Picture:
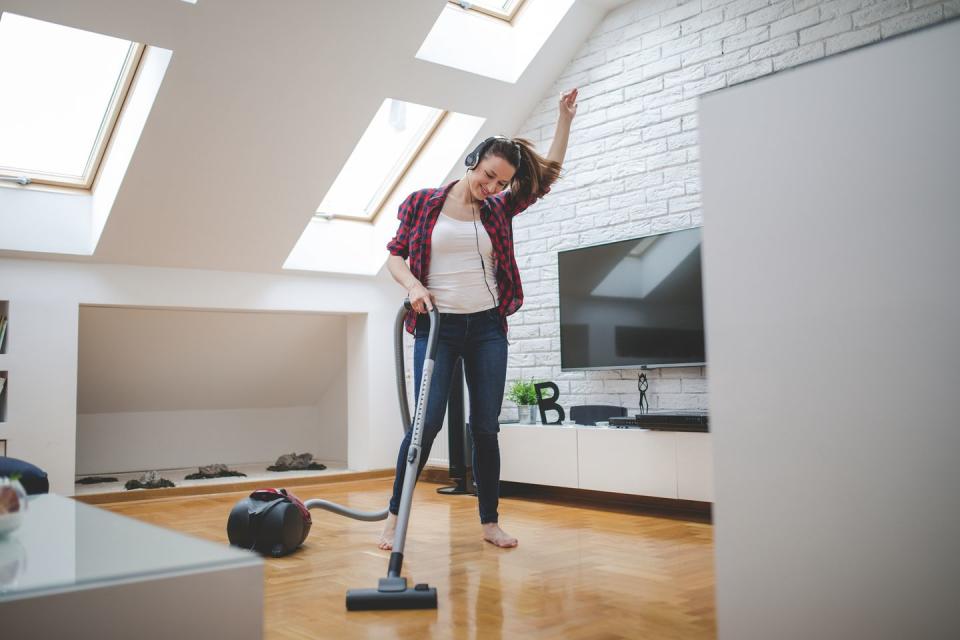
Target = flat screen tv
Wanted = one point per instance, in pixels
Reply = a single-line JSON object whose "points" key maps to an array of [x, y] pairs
{"points": [[633, 304]]}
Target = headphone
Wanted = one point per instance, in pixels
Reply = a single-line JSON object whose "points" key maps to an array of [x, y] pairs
{"points": [[473, 158]]}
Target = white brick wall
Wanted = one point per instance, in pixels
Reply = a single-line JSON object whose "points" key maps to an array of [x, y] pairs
{"points": [[632, 165]]}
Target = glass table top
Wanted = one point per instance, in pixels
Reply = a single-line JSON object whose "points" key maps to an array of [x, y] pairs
{"points": [[62, 544]]}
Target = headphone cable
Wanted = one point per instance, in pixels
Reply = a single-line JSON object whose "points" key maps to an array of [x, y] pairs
{"points": [[483, 266]]}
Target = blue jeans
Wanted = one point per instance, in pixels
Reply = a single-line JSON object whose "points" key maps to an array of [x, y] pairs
{"points": [[479, 340]]}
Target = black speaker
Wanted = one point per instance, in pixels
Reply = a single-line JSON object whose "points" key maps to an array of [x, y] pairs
{"points": [[593, 413], [460, 446]]}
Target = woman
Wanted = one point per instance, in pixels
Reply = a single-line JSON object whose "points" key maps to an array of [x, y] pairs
{"points": [[459, 241]]}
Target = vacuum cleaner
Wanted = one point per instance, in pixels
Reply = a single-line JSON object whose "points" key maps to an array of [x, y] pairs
{"points": [[275, 522]]}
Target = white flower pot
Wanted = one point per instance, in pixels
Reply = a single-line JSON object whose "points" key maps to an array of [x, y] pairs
{"points": [[528, 413]]}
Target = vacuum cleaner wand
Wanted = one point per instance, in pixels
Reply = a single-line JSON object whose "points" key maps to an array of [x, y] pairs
{"points": [[392, 591]]}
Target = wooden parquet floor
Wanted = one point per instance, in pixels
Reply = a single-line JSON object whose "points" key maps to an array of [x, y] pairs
{"points": [[579, 572]]}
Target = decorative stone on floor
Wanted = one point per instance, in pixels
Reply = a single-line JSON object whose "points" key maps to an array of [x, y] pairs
{"points": [[294, 462], [149, 480], [97, 480], [214, 471]]}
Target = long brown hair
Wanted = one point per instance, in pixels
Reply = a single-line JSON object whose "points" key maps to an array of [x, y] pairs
{"points": [[535, 172]]}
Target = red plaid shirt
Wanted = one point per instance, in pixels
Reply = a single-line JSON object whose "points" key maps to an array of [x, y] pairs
{"points": [[418, 214]]}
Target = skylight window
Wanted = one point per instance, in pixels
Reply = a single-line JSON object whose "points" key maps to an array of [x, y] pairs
{"points": [[510, 43], [388, 147], [342, 245], [503, 9], [63, 89]]}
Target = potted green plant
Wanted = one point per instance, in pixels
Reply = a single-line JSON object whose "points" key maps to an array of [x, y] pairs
{"points": [[524, 394]]}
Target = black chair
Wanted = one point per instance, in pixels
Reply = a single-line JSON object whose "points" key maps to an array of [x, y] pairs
{"points": [[33, 478], [593, 413]]}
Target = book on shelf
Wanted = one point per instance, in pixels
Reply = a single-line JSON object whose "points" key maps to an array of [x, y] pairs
{"points": [[3, 330]]}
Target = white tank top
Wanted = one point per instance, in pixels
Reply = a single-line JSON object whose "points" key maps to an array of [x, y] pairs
{"points": [[457, 279]]}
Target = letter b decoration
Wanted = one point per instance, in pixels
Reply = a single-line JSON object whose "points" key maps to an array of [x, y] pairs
{"points": [[549, 403]]}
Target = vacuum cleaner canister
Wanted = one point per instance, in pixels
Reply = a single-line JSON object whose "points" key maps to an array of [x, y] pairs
{"points": [[270, 521]]}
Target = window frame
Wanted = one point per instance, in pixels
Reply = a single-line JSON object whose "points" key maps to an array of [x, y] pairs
{"points": [[128, 72], [393, 183], [499, 15]]}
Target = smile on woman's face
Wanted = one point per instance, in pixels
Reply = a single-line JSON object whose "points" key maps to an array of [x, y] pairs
{"points": [[491, 176]]}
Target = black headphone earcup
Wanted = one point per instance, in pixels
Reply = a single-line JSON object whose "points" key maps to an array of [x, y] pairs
{"points": [[473, 158]]}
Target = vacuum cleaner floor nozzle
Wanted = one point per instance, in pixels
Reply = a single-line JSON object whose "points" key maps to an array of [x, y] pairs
{"points": [[393, 593]]}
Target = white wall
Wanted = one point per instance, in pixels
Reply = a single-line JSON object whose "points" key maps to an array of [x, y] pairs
{"points": [[633, 165], [168, 388], [831, 268], [45, 298], [333, 418], [139, 441]]}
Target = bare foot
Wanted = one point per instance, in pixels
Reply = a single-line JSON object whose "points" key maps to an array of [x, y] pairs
{"points": [[386, 538], [493, 534]]}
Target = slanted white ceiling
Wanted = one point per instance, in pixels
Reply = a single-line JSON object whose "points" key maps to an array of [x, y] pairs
{"points": [[262, 104], [135, 359]]}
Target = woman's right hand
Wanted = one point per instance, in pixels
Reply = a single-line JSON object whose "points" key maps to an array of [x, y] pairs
{"points": [[420, 299]]}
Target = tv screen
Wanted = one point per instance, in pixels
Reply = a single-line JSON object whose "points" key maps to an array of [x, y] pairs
{"points": [[634, 303]]}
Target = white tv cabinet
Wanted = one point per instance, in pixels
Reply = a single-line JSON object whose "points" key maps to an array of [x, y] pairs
{"points": [[662, 464]]}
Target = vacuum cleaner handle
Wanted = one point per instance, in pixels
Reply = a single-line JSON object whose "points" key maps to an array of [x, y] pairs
{"points": [[398, 358], [408, 306], [433, 313]]}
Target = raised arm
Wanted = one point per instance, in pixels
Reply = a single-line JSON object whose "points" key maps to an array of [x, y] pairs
{"points": [[542, 171], [567, 109]]}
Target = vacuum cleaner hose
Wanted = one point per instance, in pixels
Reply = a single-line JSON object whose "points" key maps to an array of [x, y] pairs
{"points": [[398, 358], [368, 516], [371, 516]]}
